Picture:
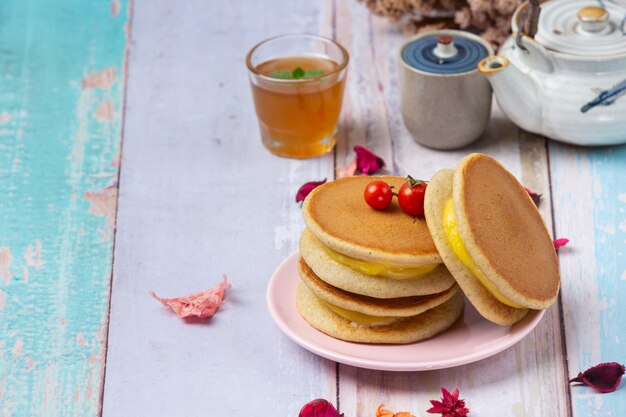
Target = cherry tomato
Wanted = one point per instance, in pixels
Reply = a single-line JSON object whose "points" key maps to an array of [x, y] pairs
{"points": [[411, 197], [378, 195]]}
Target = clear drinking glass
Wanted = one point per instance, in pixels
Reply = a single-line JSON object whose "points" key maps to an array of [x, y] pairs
{"points": [[297, 84]]}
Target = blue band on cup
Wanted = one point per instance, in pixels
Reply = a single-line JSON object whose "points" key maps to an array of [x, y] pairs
{"points": [[420, 55]]}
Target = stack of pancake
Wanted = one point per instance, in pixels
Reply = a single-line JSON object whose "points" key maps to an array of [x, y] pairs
{"points": [[379, 276], [371, 276]]}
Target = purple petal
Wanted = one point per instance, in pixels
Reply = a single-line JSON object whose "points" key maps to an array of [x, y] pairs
{"points": [[307, 188], [604, 377], [367, 161], [318, 408]]}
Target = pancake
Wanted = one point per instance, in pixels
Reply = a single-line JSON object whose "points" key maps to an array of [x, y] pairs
{"points": [[390, 307], [406, 330], [504, 232], [348, 279], [339, 217], [439, 191]]}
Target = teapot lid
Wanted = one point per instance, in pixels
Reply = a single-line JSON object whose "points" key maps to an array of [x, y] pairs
{"points": [[445, 52], [583, 27]]}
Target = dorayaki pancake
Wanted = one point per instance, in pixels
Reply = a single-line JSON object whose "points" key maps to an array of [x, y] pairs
{"points": [[348, 279], [404, 330], [338, 215], [383, 307], [504, 232], [438, 192]]}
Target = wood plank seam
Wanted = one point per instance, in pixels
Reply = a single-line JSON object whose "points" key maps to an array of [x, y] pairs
{"points": [[568, 400], [125, 74]]}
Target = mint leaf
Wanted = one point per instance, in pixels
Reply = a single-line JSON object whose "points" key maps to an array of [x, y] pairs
{"points": [[297, 73], [312, 73], [283, 75]]}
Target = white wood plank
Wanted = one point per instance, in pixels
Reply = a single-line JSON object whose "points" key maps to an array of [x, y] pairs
{"points": [[199, 197], [526, 380]]}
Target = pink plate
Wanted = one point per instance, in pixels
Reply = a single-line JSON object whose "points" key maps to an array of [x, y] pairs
{"points": [[470, 339]]}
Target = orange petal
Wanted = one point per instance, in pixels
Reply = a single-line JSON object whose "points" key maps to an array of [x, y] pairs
{"points": [[383, 413]]}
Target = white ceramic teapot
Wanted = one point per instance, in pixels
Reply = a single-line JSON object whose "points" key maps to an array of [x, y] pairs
{"points": [[569, 82]]}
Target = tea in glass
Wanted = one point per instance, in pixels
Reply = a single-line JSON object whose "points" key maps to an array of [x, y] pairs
{"points": [[297, 85]]}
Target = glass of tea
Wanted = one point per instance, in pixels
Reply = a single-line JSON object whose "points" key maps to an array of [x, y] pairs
{"points": [[297, 84]]}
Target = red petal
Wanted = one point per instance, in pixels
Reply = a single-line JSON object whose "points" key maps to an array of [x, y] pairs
{"points": [[319, 408], [367, 161], [437, 408], [450, 406], [307, 188], [534, 196], [559, 243], [604, 377]]}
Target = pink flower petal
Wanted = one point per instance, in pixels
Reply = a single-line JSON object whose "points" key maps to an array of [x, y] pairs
{"points": [[202, 304], [534, 196], [347, 171], [559, 243], [367, 161], [319, 408], [307, 188]]}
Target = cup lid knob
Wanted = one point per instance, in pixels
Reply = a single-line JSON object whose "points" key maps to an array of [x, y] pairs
{"points": [[445, 47], [593, 19]]}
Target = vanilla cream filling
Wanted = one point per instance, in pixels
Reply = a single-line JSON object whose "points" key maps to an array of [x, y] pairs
{"points": [[359, 318], [459, 249], [380, 269]]}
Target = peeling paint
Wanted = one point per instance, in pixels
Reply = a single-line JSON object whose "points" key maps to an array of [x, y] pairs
{"points": [[3, 300], [115, 7], [104, 203], [32, 255], [115, 161], [100, 79], [80, 340], [4, 117], [30, 362], [6, 259], [105, 112], [18, 347]]}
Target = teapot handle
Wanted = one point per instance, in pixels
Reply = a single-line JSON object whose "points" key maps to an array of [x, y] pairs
{"points": [[535, 55], [533, 20]]}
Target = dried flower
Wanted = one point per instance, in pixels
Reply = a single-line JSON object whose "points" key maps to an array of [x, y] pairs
{"points": [[307, 188], [319, 408], [449, 406], [604, 377], [559, 243], [380, 412], [348, 170], [367, 161], [534, 196], [202, 304]]}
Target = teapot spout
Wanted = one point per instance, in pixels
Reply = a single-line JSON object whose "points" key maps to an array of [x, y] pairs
{"points": [[516, 92]]}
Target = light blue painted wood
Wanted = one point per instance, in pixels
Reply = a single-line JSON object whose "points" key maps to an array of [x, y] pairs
{"points": [[589, 192], [56, 146]]}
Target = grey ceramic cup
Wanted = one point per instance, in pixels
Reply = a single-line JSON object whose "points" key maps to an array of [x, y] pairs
{"points": [[445, 111]]}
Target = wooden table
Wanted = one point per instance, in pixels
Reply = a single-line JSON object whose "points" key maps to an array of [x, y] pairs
{"points": [[85, 233]]}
